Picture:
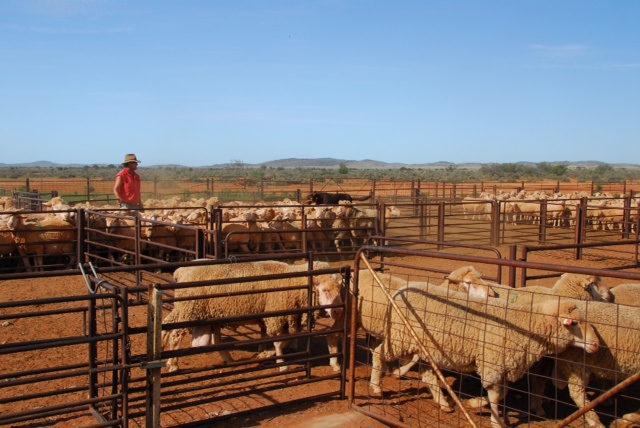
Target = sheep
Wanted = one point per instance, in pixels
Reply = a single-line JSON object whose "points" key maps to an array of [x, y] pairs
{"points": [[236, 237], [466, 334], [327, 288], [626, 294], [162, 233], [42, 237], [373, 303], [123, 232], [342, 227], [476, 208], [465, 279], [290, 238], [618, 327], [251, 222], [571, 285]]}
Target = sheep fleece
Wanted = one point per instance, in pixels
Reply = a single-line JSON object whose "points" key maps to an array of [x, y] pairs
{"points": [[493, 338], [244, 304]]}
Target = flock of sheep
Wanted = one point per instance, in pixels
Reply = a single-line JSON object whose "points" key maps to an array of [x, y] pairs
{"points": [[469, 325], [604, 211], [464, 324], [262, 228]]}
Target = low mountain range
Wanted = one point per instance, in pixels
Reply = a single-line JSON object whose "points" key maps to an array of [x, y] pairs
{"points": [[331, 163]]}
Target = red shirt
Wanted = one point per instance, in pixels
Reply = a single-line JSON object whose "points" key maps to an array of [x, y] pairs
{"points": [[130, 187]]}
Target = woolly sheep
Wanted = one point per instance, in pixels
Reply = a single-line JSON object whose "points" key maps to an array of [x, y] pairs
{"points": [[626, 294], [373, 304], [570, 285], [41, 237], [327, 288], [467, 334], [618, 327]]}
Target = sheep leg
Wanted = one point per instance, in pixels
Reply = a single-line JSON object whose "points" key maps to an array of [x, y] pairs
{"points": [[539, 373], [279, 352], [404, 369], [495, 393], [172, 339], [376, 370], [38, 262], [431, 380], [332, 344], [25, 261], [217, 339], [577, 391]]}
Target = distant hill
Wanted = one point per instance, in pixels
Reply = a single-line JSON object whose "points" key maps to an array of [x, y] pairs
{"points": [[331, 163]]}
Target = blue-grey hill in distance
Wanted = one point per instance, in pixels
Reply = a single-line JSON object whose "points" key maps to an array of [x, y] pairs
{"points": [[331, 163]]}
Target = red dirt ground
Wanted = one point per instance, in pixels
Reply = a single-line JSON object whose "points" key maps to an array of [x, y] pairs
{"points": [[332, 413]]}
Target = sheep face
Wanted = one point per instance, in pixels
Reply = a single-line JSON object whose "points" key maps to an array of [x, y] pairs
{"points": [[591, 285], [585, 336], [328, 289], [471, 281]]}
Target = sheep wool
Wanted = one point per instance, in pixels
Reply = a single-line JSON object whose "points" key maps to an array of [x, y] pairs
{"points": [[618, 327], [250, 303], [496, 339]]}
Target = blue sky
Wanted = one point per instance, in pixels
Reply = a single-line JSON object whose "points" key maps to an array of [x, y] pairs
{"points": [[198, 82]]}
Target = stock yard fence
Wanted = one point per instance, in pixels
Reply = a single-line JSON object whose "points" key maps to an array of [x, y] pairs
{"points": [[117, 238], [453, 344], [101, 356], [96, 190]]}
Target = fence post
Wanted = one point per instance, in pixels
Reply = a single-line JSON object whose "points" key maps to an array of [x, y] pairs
{"points": [[200, 244], [440, 225], [81, 223], [581, 223], [217, 235], [155, 187], [495, 223], [513, 255], [154, 351], [542, 227], [626, 218], [28, 185], [88, 189]]}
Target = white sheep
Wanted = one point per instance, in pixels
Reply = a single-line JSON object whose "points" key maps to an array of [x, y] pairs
{"points": [[571, 285], [497, 339], [618, 327], [42, 236], [255, 301], [626, 294], [373, 303]]}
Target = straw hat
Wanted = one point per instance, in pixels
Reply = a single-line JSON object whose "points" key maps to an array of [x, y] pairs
{"points": [[130, 158]]}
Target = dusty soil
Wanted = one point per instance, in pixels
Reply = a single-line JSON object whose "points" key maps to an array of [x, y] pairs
{"points": [[326, 412]]}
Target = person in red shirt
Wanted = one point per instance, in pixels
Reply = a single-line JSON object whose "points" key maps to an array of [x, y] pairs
{"points": [[127, 186]]}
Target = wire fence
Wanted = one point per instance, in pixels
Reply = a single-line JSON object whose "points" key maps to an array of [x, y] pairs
{"points": [[98, 190]]}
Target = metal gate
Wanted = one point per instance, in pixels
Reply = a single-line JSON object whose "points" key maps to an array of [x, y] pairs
{"points": [[80, 364]]}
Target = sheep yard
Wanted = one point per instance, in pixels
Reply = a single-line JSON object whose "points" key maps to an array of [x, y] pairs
{"points": [[51, 340]]}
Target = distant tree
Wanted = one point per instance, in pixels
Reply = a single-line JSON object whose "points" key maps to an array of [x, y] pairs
{"points": [[343, 169]]}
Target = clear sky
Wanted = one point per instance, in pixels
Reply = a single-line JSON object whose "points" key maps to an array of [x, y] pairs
{"points": [[203, 82]]}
